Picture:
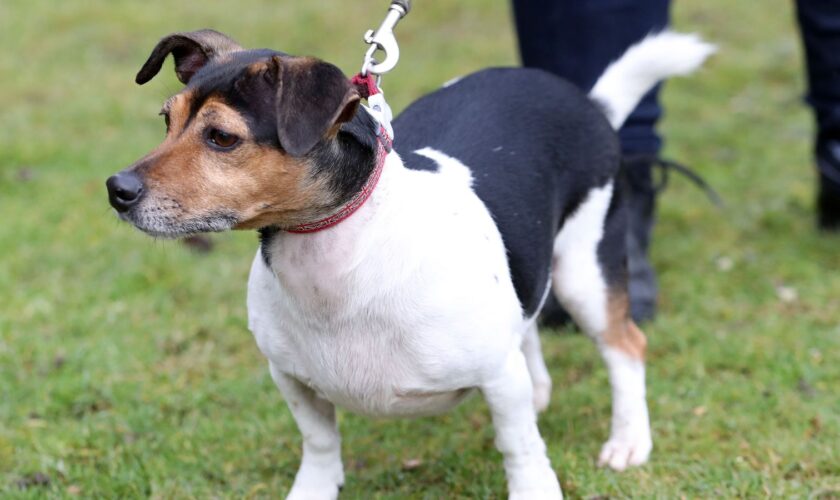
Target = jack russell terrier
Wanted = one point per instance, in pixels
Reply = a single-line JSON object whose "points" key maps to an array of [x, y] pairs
{"points": [[397, 284]]}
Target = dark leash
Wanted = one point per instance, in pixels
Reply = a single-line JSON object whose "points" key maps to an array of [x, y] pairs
{"points": [[665, 166]]}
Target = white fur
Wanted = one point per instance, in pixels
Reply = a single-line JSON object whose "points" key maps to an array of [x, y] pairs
{"points": [[363, 327], [642, 66], [580, 286], [408, 305], [540, 379], [578, 281], [321, 472], [448, 166], [630, 440], [400, 310]]}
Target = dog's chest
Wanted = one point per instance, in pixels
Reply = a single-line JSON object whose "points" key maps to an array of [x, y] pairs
{"points": [[358, 338], [395, 322]]}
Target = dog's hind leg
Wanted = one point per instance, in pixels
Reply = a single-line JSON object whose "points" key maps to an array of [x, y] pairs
{"points": [[321, 473], [509, 395], [590, 280], [540, 379]]}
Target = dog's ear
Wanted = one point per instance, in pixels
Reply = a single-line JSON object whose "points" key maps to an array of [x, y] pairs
{"points": [[191, 52], [313, 99]]}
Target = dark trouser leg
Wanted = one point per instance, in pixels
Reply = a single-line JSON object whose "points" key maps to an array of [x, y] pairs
{"points": [[819, 22], [577, 39], [636, 180]]}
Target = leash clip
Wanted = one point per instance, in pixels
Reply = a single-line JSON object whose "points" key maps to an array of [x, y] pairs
{"points": [[383, 39]]}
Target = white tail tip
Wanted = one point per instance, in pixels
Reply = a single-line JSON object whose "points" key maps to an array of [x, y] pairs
{"points": [[655, 58]]}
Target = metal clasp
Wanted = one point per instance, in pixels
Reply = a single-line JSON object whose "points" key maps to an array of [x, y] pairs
{"points": [[383, 39]]}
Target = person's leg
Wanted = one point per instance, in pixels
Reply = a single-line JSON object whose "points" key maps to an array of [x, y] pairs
{"points": [[577, 39], [819, 22]]}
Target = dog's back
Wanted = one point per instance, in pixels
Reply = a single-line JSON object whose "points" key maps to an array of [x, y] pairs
{"points": [[535, 145]]}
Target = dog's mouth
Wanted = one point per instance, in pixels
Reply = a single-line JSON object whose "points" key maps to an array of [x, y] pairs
{"points": [[160, 223]]}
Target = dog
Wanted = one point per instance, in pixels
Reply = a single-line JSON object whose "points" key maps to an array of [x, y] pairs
{"points": [[395, 284]]}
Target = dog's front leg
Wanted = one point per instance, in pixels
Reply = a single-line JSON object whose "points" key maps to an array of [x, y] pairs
{"points": [[321, 473], [509, 394]]}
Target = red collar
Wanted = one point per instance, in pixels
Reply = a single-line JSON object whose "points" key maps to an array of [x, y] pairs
{"points": [[366, 86], [359, 198]]}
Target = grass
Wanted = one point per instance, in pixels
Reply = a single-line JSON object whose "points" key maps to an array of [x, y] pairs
{"points": [[126, 368]]}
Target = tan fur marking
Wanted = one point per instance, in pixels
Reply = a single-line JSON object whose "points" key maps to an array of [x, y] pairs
{"points": [[178, 107], [622, 333], [283, 192], [257, 68], [258, 184]]}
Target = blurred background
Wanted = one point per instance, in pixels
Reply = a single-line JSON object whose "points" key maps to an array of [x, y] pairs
{"points": [[126, 366]]}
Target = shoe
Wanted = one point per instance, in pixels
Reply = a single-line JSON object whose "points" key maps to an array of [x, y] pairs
{"points": [[828, 191], [639, 193]]}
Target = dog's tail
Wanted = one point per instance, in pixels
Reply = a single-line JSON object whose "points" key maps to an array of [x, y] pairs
{"points": [[657, 57]]}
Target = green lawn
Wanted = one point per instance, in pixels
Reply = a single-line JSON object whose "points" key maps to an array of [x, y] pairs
{"points": [[127, 370]]}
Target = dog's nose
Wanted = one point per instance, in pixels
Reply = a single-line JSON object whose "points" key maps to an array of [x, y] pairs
{"points": [[124, 190]]}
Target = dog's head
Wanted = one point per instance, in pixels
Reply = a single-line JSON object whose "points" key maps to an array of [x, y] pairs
{"points": [[254, 139]]}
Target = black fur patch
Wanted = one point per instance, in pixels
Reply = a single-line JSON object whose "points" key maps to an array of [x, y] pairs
{"points": [[266, 237], [536, 145], [251, 94], [349, 159]]}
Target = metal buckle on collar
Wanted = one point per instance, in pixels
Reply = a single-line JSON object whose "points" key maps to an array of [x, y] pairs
{"points": [[383, 39]]}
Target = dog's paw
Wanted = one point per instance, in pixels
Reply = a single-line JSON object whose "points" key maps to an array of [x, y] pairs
{"points": [[317, 483], [620, 453], [323, 492], [535, 482], [543, 492], [542, 395], [549, 494]]}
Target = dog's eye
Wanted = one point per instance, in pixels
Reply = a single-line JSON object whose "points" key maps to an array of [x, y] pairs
{"points": [[222, 139], [165, 119]]}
